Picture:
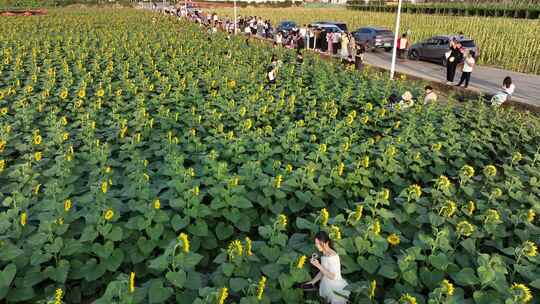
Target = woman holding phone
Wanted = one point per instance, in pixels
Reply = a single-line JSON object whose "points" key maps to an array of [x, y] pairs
{"points": [[332, 286]]}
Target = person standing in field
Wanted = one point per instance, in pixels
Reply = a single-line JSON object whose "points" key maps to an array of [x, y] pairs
{"points": [[279, 39], [344, 46], [311, 38], [352, 45], [330, 41], [336, 39], [403, 45], [359, 58], [453, 57], [468, 67], [304, 35]]}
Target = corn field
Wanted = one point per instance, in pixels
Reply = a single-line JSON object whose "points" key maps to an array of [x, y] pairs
{"points": [[506, 43]]}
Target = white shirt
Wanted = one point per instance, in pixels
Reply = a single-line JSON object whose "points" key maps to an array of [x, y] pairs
{"points": [[430, 97], [271, 75], [247, 30], [328, 288], [510, 90], [303, 32], [336, 37], [468, 65], [402, 43]]}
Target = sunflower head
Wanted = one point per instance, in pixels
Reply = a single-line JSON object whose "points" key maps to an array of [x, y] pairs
{"points": [[465, 228], [301, 262], [108, 215], [530, 215], [324, 216], [530, 249], [516, 157], [407, 299], [521, 293], [448, 288], [335, 232], [393, 239], [443, 183], [282, 221], [490, 171], [492, 216], [414, 191], [467, 171]]}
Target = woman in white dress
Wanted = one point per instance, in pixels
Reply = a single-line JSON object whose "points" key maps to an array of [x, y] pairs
{"points": [[332, 284]]}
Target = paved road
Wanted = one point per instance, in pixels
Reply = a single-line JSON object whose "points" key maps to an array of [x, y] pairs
{"points": [[485, 79]]}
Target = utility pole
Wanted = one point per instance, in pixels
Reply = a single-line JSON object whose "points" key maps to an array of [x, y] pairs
{"points": [[396, 35]]}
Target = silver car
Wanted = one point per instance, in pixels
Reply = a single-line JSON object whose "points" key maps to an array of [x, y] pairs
{"points": [[435, 48], [374, 37]]}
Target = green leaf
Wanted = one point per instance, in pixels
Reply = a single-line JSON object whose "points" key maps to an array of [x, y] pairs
{"points": [[178, 223], [200, 228], [224, 231], [194, 280], [265, 231], [305, 224], [146, 246], [411, 277], [189, 260], [431, 279], [270, 253], [486, 275], [439, 261], [241, 202], [20, 294], [227, 268], [370, 264], [177, 278], [155, 232], [6, 277], [535, 284], [465, 277], [469, 245], [237, 284], [115, 260], [115, 234], [362, 245], [160, 263], [157, 293], [487, 297], [272, 271], [388, 270], [59, 273]]}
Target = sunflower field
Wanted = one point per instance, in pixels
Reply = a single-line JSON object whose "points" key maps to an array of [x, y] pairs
{"points": [[144, 160]]}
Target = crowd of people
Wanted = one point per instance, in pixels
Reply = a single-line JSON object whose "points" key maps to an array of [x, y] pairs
{"points": [[337, 44]]}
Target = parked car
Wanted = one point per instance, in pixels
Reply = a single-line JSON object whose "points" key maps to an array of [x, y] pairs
{"points": [[286, 27], [375, 37], [341, 25], [327, 27], [435, 48]]}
